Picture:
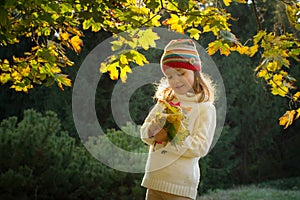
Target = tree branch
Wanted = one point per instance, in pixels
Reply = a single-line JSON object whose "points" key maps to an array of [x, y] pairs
{"points": [[256, 15]]}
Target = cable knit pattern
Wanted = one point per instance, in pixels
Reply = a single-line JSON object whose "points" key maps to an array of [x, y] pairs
{"points": [[175, 169]]}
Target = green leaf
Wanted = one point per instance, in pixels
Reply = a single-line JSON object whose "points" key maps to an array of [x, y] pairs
{"points": [[61, 79], [3, 16], [66, 8], [259, 36], [47, 31], [96, 27], [53, 8], [183, 4], [88, 23], [153, 4]]}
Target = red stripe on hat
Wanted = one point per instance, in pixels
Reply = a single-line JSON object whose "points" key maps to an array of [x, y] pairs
{"points": [[181, 65]]}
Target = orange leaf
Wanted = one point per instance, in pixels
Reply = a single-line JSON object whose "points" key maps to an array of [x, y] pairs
{"points": [[287, 119], [76, 43], [64, 36]]}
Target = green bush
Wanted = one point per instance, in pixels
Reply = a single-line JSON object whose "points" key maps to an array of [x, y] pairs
{"points": [[39, 161]]}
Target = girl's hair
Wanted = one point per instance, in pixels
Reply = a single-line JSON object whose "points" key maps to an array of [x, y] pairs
{"points": [[202, 85]]}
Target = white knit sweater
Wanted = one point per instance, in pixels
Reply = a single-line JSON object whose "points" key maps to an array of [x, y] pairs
{"points": [[173, 169]]}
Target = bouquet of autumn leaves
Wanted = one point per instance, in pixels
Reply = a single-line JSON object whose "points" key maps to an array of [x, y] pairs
{"points": [[171, 119]]}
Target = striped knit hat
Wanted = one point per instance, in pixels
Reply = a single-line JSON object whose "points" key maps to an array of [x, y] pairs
{"points": [[181, 53]]}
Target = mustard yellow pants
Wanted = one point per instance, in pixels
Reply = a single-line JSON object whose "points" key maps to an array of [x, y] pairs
{"points": [[158, 195]]}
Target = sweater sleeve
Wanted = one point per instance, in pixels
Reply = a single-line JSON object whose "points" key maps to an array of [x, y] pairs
{"points": [[145, 127], [198, 143]]}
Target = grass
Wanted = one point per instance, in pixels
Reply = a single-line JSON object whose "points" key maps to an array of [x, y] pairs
{"points": [[251, 193]]}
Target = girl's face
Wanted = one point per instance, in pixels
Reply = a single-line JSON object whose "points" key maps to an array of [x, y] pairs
{"points": [[180, 80]]}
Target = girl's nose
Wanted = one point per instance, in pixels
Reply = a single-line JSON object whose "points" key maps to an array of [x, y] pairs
{"points": [[176, 80]]}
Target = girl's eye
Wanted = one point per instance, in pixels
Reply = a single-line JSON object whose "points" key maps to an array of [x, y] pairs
{"points": [[169, 77], [181, 74]]}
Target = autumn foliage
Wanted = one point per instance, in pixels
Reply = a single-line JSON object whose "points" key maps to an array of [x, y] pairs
{"points": [[54, 26]]}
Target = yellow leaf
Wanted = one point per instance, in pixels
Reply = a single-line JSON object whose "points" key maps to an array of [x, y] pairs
{"points": [[5, 61], [123, 59], [296, 96], [62, 79], [280, 90], [155, 20], [64, 36], [113, 73], [23, 85], [123, 73], [103, 67], [253, 50], [111, 68], [227, 2], [4, 78], [177, 24], [25, 71], [76, 43], [4, 66], [207, 28], [287, 119], [212, 48], [194, 33], [55, 69], [16, 75], [241, 49], [277, 78], [138, 58], [291, 14], [139, 10], [225, 49], [298, 113], [262, 73], [272, 66], [147, 38], [173, 20]]}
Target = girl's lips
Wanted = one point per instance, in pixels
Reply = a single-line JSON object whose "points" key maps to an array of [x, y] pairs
{"points": [[178, 87]]}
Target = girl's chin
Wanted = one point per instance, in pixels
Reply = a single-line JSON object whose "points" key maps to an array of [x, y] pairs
{"points": [[180, 91], [183, 91]]}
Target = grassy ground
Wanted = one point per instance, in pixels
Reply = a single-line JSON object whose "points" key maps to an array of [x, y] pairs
{"points": [[252, 193]]}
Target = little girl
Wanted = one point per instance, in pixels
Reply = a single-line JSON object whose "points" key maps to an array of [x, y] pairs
{"points": [[172, 171]]}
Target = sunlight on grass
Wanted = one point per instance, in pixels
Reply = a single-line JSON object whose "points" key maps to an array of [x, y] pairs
{"points": [[251, 193]]}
